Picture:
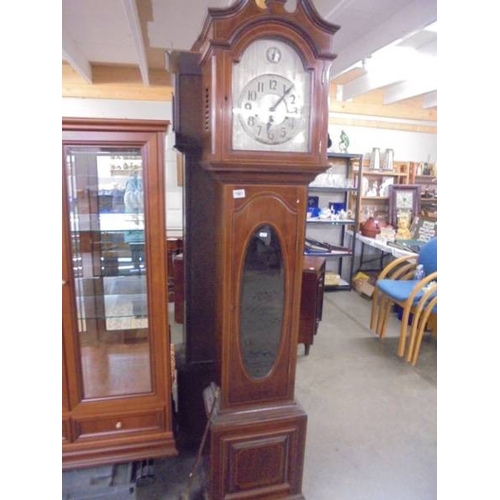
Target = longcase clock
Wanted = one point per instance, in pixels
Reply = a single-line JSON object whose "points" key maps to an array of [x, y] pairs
{"points": [[263, 109]]}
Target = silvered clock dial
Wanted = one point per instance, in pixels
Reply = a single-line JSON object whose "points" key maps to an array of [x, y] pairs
{"points": [[271, 99]]}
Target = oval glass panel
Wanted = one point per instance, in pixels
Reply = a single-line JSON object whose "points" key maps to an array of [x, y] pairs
{"points": [[262, 302]]}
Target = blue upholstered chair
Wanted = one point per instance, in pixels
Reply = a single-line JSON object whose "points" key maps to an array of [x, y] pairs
{"points": [[396, 284]]}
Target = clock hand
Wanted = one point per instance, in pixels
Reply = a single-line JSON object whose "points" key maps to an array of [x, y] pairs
{"points": [[269, 123], [287, 91]]}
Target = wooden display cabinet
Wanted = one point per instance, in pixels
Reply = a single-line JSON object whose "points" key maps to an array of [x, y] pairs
{"points": [[116, 352], [425, 175], [374, 201], [311, 300]]}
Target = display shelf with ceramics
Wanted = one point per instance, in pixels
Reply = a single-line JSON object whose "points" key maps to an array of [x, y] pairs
{"points": [[331, 213], [425, 175], [379, 172]]}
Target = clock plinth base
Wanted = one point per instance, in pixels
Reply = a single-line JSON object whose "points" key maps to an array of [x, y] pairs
{"points": [[257, 453]]}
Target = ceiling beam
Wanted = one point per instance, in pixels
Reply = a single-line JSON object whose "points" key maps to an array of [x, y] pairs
{"points": [[430, 100], [134, 22], [366, 83], [429, 48], [395, 66], [74, 56], [410, 88], [337, 9], [417, 15]]}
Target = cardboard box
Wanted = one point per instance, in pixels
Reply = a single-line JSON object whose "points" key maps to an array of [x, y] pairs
{"points": [[358, 280], [332, 279], [364, 284], [367, 289]]}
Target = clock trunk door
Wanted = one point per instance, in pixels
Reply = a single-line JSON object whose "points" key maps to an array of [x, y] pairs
{"points": [[261, 338]]}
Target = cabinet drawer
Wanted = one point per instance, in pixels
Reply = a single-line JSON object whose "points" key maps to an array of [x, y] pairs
{"points": [[119, 424]]}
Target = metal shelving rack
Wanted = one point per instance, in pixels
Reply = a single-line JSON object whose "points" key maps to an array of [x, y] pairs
{"points": [[334, 233]]}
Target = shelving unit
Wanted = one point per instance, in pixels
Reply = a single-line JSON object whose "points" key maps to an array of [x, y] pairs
{"points": [[374, 184], [428, 198], [335, 186]]}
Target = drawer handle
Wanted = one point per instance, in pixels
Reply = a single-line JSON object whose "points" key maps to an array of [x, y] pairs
{"points": [[118, 425]]}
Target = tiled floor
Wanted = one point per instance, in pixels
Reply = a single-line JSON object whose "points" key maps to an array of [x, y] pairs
{"points": [[372, 417]]}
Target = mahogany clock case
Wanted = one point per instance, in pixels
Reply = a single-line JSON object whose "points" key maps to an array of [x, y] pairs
{"points": [[251, 215]]}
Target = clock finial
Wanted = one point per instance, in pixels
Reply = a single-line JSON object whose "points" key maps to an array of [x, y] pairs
{"points": [[275, 6]]}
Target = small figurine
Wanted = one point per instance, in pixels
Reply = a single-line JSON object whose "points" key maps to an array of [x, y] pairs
{"points": [[325, 213], [344, 142], [373, 190], [133, 197], [403, 232], [384, 187]]}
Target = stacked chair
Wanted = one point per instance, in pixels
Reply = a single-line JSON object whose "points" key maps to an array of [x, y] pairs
{"points": [[417, 297]]}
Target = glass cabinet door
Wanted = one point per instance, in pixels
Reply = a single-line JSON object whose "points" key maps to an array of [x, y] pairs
{"points": [[105, 196]]}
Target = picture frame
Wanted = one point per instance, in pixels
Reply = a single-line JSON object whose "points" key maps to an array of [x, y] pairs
{"points": [[403, 197], [423, 228]]}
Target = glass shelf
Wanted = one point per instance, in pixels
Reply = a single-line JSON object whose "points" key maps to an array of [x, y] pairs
{"points": [[331, 189], [334, 253]]}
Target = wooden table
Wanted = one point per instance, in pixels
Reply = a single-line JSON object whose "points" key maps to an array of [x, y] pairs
{"points": [[386, 251]]}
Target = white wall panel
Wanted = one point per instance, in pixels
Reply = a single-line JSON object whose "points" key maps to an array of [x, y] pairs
{"points": [[407, 146]]}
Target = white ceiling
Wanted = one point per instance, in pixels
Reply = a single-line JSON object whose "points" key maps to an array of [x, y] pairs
{"points": [[139, 32]]}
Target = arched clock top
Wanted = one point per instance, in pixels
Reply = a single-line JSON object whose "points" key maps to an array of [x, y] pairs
{"points": [[276, 31], [224, 27]]}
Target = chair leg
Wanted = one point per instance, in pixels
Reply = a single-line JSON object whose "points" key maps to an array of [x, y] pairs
{"points": [[416, 323], [420, 331], [375, 310], [418, 340], [384, 311], [432, 325], [379, 314], [403, 331], [420, 320], [416, 312]]}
